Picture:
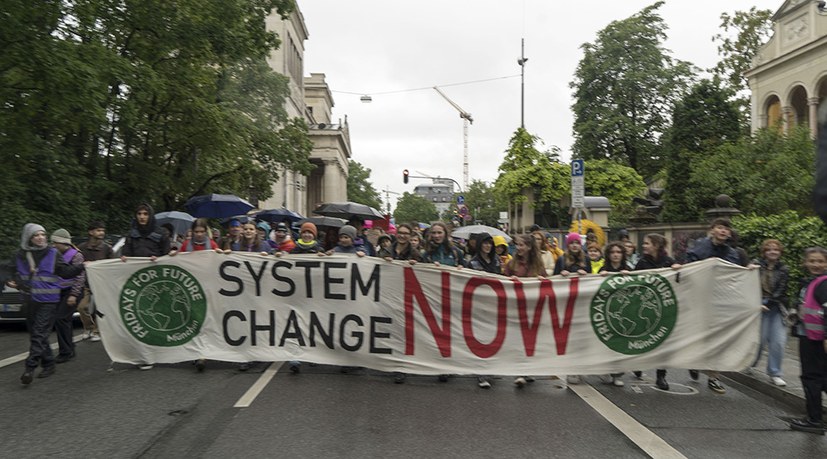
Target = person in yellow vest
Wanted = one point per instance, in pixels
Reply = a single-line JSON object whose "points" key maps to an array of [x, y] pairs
{"points": [[596, 257], [501, 248]]}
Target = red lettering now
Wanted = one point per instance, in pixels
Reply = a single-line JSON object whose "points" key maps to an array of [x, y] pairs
{"points": [[529, 328], [478, 348], [442, 335]]}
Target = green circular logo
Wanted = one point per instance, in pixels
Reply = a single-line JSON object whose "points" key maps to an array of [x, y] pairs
{"points": [[633, 314], [163, 305]]}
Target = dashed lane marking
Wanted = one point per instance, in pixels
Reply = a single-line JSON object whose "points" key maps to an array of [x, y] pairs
{"points": [[247, 399], [21, 357]]}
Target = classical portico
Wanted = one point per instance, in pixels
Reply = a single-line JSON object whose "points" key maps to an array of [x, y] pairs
{"points": [[789, 75]]}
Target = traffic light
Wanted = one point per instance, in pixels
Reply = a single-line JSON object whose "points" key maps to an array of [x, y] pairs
{"points": [[405, 176]]}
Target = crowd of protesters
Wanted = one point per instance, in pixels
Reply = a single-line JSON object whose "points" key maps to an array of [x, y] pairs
{"points": [[53, 280]]}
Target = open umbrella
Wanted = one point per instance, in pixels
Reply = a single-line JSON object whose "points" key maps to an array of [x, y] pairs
{"points": [[180, 221], [325, 222], [347, 210], [465, 232], [217, 206], [277, 215]]}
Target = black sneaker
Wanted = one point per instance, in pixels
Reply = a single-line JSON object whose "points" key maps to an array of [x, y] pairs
{"points": [[63, 358], [295, 368], [805, 425], [638, 374], [47, 372], [200, 365], [661, 383], [443, 378], [399, 378], [27, 377], [693, 374]]}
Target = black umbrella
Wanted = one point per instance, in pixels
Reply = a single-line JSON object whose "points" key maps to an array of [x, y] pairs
{"points": [[277, 215], [347, 210], [217, 206], [325, 222]]}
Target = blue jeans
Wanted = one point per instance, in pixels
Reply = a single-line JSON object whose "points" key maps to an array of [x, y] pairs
{"points": [[774, 336]]}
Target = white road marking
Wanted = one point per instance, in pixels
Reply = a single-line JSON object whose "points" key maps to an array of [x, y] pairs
{"points": [[247, 399], [21, 357], [644, 438]]}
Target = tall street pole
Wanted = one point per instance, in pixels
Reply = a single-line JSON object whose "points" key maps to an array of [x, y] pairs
{"points": [[521, 61]]}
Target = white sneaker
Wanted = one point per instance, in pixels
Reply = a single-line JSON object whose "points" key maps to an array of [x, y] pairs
{"points": [[520, 381], [86, 335], [573, 379], [778, 381], [95, 338], [617, 381], [145, 366]]}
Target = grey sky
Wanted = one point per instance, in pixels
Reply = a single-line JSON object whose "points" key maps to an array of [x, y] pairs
{"points": [[371, 47]]}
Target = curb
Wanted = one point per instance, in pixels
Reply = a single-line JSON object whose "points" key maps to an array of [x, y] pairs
{"points": [[778, 393]]}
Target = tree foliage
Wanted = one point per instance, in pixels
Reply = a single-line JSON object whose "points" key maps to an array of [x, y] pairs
{"points": [[763, 174], [703, 120], [483, 204], [795, 232], [524, 166], [743, 35], [618, 183], [624, 89], [107, 103], [359, 187], [414, 208]]}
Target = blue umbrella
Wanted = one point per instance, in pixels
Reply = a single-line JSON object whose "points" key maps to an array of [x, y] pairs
{"points": [[277, 215], [217, 206], [181, 221]]}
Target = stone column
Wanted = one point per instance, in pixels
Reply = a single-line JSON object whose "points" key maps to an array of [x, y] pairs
{"points": [[812, 104], [786, 117], [330, 180]]}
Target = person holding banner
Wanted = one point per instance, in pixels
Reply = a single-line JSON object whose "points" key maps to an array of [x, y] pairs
{"points": [[654, 257], [810, 328], [774, 280], [714, 245], [485, 260], [615, 263], [574, 260], [525, 263], [439, 249], [347, 243], [250, 242], [71, 292]]}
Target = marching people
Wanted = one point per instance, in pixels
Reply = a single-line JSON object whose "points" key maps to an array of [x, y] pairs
{"points": [[714, 245], [249, 241], [574, 260], [615, 263], [263, 230], [544, 251], [525, 263], [632, 257], [595, 257], [358, 223], [501, 248], [554, 248], [284, 242], [347, 243], [655, 256], [145, 239], [383, 246], [233, 234], [38, 269], [485, 260], [774, 280], [71, 291], [93, 249], [403, 248], [810, 328]]}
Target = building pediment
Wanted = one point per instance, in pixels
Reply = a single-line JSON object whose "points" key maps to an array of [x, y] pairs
{"points": [[796, 24], [789, 7]]}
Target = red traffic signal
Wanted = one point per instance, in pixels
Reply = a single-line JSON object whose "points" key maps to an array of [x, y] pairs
{"points": [[405, 176]]}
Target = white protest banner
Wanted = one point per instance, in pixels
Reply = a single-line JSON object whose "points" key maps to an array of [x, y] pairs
{"points": [[424, 319]]}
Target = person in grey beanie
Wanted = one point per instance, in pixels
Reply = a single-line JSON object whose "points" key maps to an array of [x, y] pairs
{"points": [[347, 234]]}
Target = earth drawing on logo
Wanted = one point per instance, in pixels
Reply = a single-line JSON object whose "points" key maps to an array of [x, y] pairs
{"points": [[163, 305], [175, 311], [634, 313]]}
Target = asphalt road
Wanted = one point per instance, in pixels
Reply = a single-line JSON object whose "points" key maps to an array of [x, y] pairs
{"points": [[92, 409]]}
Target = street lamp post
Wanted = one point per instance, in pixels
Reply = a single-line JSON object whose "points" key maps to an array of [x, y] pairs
{"points": [[521, 62]]}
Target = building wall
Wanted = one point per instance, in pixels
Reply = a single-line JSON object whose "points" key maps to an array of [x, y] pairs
{"points": [[789, 75]]}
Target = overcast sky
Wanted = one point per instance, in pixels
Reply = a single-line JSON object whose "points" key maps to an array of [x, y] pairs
{"points": [[396, 47]]}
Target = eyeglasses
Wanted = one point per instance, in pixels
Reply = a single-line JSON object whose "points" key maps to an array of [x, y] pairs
{"points": [[402, 234]]}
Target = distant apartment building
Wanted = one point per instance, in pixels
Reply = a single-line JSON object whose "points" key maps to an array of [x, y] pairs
{"points": [[440, 192]]}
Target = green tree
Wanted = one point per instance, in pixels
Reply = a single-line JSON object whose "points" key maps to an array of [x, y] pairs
{"points": [[524, 166], [618, 183], [624, 89], [139, 101], [763, 174], [359, 187], [482, 203], [743, 35], [412, 207], [701, 121]]}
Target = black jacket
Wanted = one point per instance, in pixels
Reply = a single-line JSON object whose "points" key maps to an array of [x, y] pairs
{"points": [[493, 265], [704, 248], [647, 262], [779, 279]]}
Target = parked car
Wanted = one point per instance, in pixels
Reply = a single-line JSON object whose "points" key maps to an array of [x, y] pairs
{"points": [[12, 306]]}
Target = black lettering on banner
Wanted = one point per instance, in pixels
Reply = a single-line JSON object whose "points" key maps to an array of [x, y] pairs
{"points": [[333, 280], [356, 277], [255, 327], [230, 278], [227, 316], [375, 334], [316, 325], [356, 334], [292, 330], [291, 285], [308, 279], [256, 276]]}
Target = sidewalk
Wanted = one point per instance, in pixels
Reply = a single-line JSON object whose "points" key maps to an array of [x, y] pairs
{"points": [[758, 379]]}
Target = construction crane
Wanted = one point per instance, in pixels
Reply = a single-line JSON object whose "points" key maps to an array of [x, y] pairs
{"points": [[466, 120]]}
